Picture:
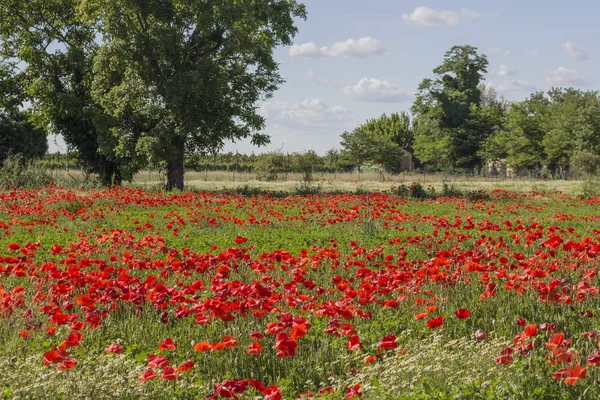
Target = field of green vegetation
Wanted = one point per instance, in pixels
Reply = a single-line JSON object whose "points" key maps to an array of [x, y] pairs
{"points": [[125, 293]]}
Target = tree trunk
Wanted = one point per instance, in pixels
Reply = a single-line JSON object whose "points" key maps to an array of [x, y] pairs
{"points": [[175, 164], [111, 174]]}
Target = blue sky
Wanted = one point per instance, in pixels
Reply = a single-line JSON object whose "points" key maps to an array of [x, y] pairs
{"points": [[356, 59]]}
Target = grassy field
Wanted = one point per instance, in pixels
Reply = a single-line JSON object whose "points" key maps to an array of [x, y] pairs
{"points": [[348, 182], [123, 293]]}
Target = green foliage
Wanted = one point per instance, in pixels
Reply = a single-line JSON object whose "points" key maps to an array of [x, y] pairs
{"points": [[186, 75], [395, 127], [271, 165], [382, 142], [451, 118], [166, 76], [520, 143], [18, 172], [558, 131], [19, 136], [307, 163], [58, 83], [590, 188]]}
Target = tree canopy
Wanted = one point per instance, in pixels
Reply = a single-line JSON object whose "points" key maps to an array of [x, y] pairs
{"points": [[18, 135], [132, 83], [449, 125], [382, 141]]}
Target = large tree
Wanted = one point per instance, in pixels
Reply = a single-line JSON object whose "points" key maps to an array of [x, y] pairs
{"points": [[55, 48], [395, 127], [444, 110], [573, 129], [187, 75], [519, 142], [18, 135]]}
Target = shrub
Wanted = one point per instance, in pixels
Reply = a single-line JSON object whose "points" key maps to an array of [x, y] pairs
{"points": [[18, 172]]}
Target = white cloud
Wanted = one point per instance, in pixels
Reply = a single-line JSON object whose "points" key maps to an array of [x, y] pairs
{"points": [[424, 16], [505, 70], [575, 52], [308, 112], [305, 50], [377, 91], [512, 85], [566, 77], [362, 47], [531, 52]]}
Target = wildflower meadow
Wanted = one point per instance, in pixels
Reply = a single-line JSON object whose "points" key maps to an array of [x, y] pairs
{"points": [[124, 293]]}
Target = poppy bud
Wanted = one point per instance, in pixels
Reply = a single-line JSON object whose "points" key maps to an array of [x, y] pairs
{"points": [[164, 318]]}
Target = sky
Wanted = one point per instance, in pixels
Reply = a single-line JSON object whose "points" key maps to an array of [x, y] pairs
{"points": [[353, 60]]}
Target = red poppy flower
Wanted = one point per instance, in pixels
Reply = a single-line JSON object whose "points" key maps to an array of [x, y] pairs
{"points": [[255, 348], [530, 330], [556, 340], [167, 344], [54, 356], [73, 339], [256, 335], [13, 247], [169, 374], [347, 330], [462, 313], [421, 315], [388, 342], [24, 333], [435, 322], [186, 366], [158, 361], [217, 346], [354, 343], [298, 331], [353, 392], [148, 375], [521, 322], [229, 342], [55, 249], [272, 393], [504, 359], [240, 240], [114, 348], [67, 364], [202, 346], [286, 345], [369, 360], [570, 375], [594, 358]]}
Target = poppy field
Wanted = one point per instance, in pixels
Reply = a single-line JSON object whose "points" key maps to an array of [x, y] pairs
{"points": [[124, 293]]}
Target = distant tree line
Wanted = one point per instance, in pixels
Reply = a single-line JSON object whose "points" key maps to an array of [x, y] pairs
{"points": [[459, 125]]}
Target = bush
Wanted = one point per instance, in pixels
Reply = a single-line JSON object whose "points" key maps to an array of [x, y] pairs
{"points": [[307, 187], [18, 172], [451, 191], [402, 191], [270, 165], [417, 191], [585, 163], [589, 189]]}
